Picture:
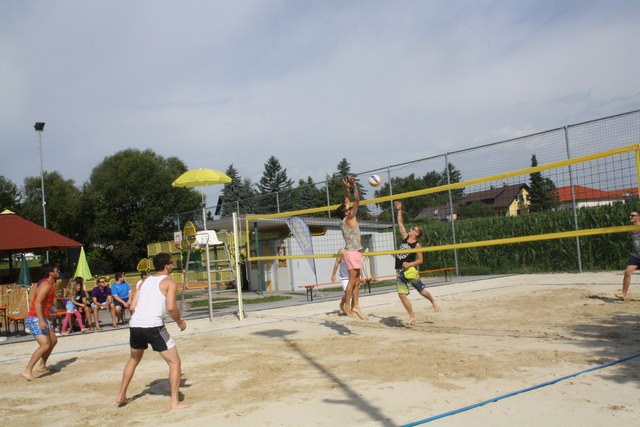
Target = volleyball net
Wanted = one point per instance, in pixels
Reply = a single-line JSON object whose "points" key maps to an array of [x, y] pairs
{"points": [[545, 216]]}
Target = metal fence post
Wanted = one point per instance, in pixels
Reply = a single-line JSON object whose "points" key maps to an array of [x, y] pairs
{"points": [[326, 187], [451, 213], [393, 212], [573, 200]]}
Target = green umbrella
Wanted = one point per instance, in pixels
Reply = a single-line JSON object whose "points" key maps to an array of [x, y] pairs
{"points": [[82, 270], [24, 279]]}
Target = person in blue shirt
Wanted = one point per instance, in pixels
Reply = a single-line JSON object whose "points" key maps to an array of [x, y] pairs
{"points": [[121, 293]]}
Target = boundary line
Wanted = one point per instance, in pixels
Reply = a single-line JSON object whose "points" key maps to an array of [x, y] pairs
{"points": [[524, 390]]}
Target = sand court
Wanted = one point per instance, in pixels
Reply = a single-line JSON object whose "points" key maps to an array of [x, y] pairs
{"points": [[305, 365]]}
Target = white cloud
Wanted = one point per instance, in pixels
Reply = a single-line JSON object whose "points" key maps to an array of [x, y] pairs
{"points": [[378, 82]]}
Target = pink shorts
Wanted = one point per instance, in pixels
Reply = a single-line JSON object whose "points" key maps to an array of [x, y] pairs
{"points": [[353, 259]]}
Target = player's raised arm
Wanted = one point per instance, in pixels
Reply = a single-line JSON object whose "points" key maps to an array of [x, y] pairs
{"points": [[398, 205]]}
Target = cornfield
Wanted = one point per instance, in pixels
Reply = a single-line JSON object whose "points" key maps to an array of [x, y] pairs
{"points": [[599, 252]]}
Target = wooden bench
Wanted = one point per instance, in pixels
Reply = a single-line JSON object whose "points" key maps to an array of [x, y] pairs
{"points": [[310, 288], [17, 319]]}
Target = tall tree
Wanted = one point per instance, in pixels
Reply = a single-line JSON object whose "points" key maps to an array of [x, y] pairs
{"points": [[63, 204], [336, 188], [10, 195], [132, 203], [454, 176], [306, 195], [248, 199], [274, 180], [543, 193]]}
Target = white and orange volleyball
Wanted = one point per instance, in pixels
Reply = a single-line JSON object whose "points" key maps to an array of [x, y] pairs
{"points": [[375, 180]]}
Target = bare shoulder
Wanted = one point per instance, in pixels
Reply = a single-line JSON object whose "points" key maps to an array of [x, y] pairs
{"points": [[167, 284]]}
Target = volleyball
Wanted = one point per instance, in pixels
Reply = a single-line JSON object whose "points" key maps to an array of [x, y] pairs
{"points": [[375, 180]]}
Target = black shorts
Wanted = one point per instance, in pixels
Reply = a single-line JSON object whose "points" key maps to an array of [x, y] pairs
{"points": [[634, 260], [158, 337], [117, 303]]}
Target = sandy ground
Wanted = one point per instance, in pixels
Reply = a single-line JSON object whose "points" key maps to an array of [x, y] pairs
{"points": [[305, 365]]}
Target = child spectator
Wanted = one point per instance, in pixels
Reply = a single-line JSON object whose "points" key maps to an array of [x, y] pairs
{"points": [[69, 294]]}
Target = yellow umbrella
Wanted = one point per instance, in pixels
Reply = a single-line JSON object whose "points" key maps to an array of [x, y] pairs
{"points": [[200, 178]]}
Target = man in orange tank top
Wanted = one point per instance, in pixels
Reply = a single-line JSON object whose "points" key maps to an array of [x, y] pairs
{"points": [[38, 323]]}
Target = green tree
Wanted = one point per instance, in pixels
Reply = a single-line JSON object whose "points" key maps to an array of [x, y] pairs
{"points": [[307, 196], [63, 204], [414, 205], [543, 193], [454, 176], [10, 195], [131, 203], [274, 180], [336, 189], [234, 191]]}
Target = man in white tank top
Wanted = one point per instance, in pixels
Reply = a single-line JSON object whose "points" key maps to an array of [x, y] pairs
{"points": [[153, 298]]}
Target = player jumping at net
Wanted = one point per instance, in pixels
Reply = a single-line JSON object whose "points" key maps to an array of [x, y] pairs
{"points": [[407, 267], [352, 255], [341, 267], [634, 260]]}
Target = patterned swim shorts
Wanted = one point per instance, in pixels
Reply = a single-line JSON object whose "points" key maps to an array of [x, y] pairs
{"points": [[34, 326]]}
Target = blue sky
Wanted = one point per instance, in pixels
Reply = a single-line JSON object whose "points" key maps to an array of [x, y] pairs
{"points": [[378, 82]]}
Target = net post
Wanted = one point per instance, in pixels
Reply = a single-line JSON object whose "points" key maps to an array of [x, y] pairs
{"points": [[573, 200], [236, 247]]}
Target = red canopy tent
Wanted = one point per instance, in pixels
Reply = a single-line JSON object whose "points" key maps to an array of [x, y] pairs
{"points": [[20, 235]]}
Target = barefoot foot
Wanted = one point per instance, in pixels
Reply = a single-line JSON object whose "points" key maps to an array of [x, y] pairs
{"points": [[620, 295], [410, 321], [28, 376], [358, 312], [121, 401], [180, 406], [436, 307]]}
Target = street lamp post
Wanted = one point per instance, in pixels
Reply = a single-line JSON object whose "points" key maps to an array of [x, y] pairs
{"points": [[39, 127]]}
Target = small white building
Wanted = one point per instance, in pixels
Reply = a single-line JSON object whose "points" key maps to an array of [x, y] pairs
{"points": [[289, 274]]}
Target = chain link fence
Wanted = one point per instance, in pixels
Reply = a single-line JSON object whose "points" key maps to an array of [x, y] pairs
{"points": [[579, 185]]}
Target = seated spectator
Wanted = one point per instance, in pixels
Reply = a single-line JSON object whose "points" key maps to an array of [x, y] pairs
{"points": [[81, 302], [143, 277], [121, 294], [101, 297], [70, 305]]}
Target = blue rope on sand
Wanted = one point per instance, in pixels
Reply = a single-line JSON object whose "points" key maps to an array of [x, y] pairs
{"points": [[524, 390]]}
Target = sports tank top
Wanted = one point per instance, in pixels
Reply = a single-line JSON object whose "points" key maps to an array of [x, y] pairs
{"points": [[401, 258], [151, 306], [47, 303], [351, 236]]}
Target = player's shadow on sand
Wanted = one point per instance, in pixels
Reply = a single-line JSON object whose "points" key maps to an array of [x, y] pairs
{"points": [[338, 327], [391, 321], [160, 388], [351, 396], [607, 299], [612, 338], [58, 366]]}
